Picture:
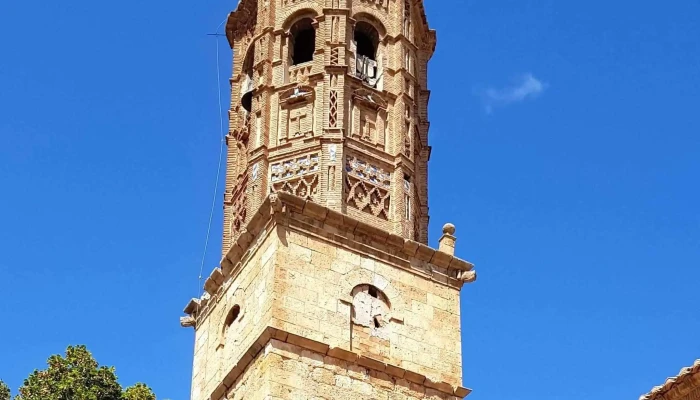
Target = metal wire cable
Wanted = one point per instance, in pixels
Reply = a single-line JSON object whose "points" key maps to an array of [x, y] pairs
{"points": [[218, 168]]}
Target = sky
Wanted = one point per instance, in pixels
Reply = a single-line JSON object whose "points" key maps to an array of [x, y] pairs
{"points": [[565, 150]]}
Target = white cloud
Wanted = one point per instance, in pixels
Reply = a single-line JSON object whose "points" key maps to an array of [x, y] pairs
{"points": [[528, 87]]}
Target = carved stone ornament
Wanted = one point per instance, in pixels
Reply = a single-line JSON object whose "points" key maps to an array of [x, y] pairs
{"points": [[296, 95], [369, 99], [367, 187], [466, 276], [367, 172], [371, 310], [297, 176], [290, 169], [384, 4], [256, 168], [276, 206], [188, 322], [239, 206]]}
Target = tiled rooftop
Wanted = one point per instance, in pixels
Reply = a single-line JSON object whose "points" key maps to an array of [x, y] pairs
{"points": [[658, 392]]}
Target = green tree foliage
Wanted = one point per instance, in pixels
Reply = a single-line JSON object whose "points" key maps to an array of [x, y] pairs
{"points": [[4, 391], [139, 392], [77, 376]]}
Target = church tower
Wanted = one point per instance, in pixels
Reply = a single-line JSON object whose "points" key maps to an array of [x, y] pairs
{"points": [[327, 288]]}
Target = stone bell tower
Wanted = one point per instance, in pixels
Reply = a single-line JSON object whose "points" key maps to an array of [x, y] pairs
{"points": [[327, 288]]}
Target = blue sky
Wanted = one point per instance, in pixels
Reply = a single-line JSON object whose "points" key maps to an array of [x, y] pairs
{"points": [[565, 150]]}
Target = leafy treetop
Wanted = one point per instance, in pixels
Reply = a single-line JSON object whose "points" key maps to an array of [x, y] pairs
{"points": [[77, 376], [4, 391], [139, 392]]}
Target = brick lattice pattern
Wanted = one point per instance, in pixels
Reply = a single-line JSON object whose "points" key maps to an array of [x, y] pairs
{"points": [[335, 105]]}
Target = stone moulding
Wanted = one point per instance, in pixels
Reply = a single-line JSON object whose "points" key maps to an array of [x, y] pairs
{"points": [[356, 229], [271, 335], [297, 94], [319, 221], [687, 380], [369, 98], [293, 210]]}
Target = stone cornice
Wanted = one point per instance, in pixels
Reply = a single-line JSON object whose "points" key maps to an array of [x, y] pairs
{"points": [[296, 151], [402, 161], [369, 150], [344, 231], [430, 33], [309, 144], [270, 336], [240, 19], [336, 11], [401, 38], [222, 277], [396, 244], [365, 97]]}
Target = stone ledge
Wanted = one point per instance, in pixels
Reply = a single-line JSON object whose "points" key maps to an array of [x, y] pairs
{"points": [[283, 208], [192, 306], [409, 247], [271, 334]]}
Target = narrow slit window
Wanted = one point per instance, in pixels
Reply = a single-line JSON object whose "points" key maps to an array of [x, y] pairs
{"points": [[231, 317], [407, 197]]}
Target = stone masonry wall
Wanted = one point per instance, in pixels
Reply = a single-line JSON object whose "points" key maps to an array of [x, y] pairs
{"points": [[315, 279], [302, 284], [215, 352], [255, 382]]}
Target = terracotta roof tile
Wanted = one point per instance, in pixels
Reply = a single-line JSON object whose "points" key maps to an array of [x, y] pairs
{"points": [[685, 373]]}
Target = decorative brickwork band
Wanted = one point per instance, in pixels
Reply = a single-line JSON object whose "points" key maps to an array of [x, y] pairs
{"points": [[333, 109], [239, 205], [298, 176], [367, 187]]}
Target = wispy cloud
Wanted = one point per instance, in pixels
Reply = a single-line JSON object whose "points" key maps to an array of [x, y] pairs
{"points": [[527, 87]]}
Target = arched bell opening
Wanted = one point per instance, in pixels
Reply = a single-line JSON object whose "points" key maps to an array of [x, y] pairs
{"points": [[247, 101], [367, 40], [302, 41], [247, 85]]}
